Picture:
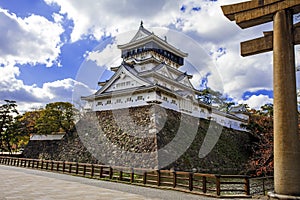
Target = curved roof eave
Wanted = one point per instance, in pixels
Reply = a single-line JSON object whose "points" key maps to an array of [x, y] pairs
{"points": [[157, 39]]}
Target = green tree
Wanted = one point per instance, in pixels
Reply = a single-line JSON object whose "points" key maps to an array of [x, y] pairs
{"points": [[56, 117], [215, 98], [8, 111]]}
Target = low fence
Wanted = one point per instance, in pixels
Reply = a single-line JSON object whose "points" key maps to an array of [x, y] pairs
{"points": [[207, 184]]}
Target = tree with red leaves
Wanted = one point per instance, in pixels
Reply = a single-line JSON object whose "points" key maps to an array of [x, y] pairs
{"points": [[261, 128]]}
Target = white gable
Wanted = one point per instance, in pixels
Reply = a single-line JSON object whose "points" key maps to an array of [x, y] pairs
{"points": [[122, 79], [124, 82], [142, 33], [186, 81], [165, 72]]}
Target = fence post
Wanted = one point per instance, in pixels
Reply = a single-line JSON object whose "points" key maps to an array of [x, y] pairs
{"points": [[132, 176], [218, 184], [64, 166], [47, 163], [247, 186], [57, 166], [158, 177], [121, 175], [101, 171], [110, 172], [84, 169], [92, 170], [18, 162], [204, 181], [145, 178], [174, 179], [264, 188], [77, 167], [51, 165], [70, 168], [42, 164], [191, 178]]}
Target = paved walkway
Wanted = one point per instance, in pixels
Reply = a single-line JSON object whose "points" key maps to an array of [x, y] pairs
{"points": [[27, 184]]}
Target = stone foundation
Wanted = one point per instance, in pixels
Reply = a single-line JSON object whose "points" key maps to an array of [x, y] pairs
{"points": [[149, 137]]}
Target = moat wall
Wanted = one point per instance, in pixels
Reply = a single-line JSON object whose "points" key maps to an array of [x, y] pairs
{"points": [[148, 137]]}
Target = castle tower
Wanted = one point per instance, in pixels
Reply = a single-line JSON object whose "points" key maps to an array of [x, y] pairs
{"points": [[150, 74]]}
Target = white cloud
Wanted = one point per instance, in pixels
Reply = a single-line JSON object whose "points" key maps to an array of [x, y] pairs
{"points": [[31, 40], [28, 96], [36, 40], [108, 57], [230, 73], [256, 101]]}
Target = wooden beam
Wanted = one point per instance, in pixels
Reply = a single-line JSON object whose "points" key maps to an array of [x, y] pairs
{"points": [[230, 10], [258, 45], [255, 12], [265, 44]]}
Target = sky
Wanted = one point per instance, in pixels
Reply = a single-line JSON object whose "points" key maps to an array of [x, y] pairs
{"points": [[53, 50]]}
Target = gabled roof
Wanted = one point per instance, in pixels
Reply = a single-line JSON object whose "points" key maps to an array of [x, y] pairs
{"points": [[238, 109], [142, 33], [47, 137], [128, 71], [144, 36]]}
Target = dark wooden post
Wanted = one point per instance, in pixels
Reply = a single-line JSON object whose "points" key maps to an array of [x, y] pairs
{"points": [[70, 168], [247, 186], [132, 176], [84, 169], [218, 184], [145, 178], [174, 179], [92, 170], [158, 177], [204, 181], [121, 175], [111, 173], [191, 180], [64, 166], [77, 166], [101, 172]]}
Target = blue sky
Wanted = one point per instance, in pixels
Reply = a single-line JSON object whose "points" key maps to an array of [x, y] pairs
{"points": [[48, 47]]}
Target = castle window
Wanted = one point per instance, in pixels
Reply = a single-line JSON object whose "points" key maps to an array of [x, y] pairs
{"points": [[165, 98], [173, 101], [140, 98], [128, 99], [108, 102], [99, 103], [118, 101]]}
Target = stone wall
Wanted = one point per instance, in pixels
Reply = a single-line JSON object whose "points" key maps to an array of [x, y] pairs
{"points": [[148, 137]]}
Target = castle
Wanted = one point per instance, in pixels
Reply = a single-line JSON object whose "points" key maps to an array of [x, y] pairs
{"points": [[150, 74]]}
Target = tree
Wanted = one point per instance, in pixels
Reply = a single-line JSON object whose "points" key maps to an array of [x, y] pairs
{"points": [[56, 117], [7, 120], [215, 98], [261, 128]]}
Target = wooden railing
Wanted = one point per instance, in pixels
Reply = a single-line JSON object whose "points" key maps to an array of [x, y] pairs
{"points": [[207, 184]]}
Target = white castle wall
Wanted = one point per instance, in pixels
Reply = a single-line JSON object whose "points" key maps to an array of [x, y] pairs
{"points": [[186, 106]]}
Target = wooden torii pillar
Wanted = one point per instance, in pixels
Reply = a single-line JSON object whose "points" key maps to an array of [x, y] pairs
{"points": [[281, 40]]}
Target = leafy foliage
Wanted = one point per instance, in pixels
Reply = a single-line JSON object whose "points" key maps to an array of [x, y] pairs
{"points": [[215, 98], [7, 125], [261, 127], [56, 117]]}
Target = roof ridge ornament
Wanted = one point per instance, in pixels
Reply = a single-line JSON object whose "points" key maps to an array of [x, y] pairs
{"points": [[142, 24]]}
